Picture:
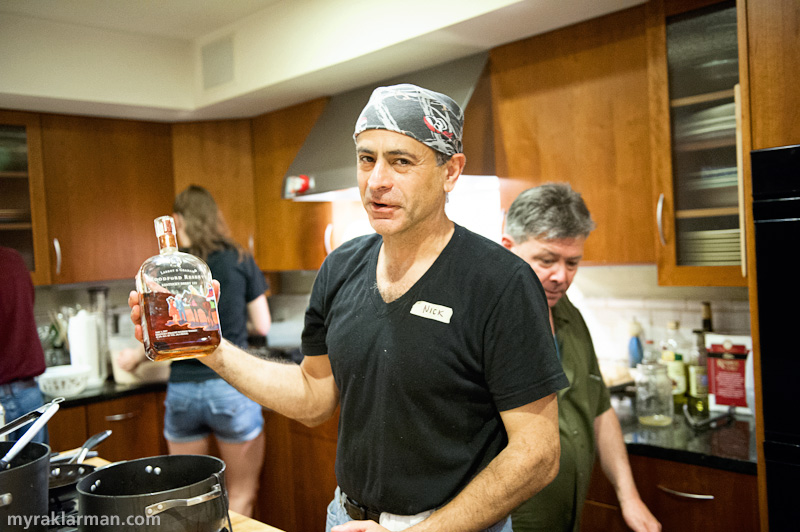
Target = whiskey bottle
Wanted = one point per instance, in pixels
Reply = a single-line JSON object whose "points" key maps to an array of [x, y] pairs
{"points": [[179, 309]]}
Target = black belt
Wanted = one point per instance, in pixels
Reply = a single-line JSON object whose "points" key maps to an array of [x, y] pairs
{"points": [[14, 386], [359, 512]]}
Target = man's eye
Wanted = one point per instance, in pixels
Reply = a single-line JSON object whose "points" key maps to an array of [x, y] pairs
{"points": [[546, 262], [365, 159]]}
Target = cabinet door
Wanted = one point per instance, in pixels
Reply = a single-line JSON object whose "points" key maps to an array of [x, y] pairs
{"points": [[219, 156], [571, 105], [135, 424], [105, 181], [689, 497], [290, 235], [67, 429], [23, 222], [696, 144]]}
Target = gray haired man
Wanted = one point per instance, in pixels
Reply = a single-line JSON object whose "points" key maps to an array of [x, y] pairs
{"points": [[547, 226]]}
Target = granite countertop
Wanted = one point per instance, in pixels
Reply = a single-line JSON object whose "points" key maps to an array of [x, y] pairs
{"points": [[109, 390], [731, 446]]}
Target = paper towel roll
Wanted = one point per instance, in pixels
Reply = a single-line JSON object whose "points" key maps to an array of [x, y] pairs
{"points": [[84, 347]]}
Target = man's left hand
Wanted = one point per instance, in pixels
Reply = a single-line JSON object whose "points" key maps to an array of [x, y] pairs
{"points": [[638, 517]]}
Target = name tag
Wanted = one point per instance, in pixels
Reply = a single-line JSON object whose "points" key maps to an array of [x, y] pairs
{"points": [[424, 309]]}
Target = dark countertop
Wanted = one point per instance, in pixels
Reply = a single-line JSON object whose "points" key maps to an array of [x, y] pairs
{"points": [[109, 390], [731, 446]]}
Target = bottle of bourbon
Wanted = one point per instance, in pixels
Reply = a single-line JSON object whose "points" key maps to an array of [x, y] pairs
{"points": [[179, 309]]}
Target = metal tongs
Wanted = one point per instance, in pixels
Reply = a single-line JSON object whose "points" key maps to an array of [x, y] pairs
{"points": [[712, 422], [30, 417], [41, 416]]}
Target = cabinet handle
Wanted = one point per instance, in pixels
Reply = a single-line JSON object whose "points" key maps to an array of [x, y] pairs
{"points": [[686, 495], [737, 98], [327, 239], [660, 219], [57, 245], [122, 417], [251, 243]]}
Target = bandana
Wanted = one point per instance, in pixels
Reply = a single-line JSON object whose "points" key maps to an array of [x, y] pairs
{"points": [[432, 118]]}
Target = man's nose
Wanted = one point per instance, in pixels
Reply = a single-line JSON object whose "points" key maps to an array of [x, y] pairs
{"points": [[380, 176], [559, 273]]}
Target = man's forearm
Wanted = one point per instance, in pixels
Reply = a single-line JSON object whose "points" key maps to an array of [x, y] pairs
{"points": [[301, 392], [523, 468], [613, 455]]}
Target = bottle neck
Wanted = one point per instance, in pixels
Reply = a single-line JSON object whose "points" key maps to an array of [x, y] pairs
{"points": [[167, 242]]}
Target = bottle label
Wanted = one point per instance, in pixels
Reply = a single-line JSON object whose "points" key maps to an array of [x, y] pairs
{"points": [[698, 381]]}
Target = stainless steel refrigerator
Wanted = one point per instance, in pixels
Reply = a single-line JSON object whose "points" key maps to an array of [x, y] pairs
{"points": [[776, 212]]}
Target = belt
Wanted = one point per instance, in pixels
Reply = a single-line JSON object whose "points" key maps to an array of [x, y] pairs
{"points": [[14, 386], [359, 512]]}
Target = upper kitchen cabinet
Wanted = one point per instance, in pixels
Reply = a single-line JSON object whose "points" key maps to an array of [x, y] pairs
{"points": [[290, 235], [774, 48], [23, 221], [218, 155], [697, 142], [572, 105], [105, 182]]}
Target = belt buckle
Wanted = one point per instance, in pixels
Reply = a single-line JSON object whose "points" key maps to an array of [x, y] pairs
{"points": [[358, 512]]}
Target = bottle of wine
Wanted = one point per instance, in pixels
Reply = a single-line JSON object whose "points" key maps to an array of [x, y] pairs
{"points": [[707, 321], [673, 352], [697, 377], [179, 309]]}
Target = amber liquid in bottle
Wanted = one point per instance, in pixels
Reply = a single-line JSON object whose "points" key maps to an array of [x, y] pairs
{"points": [[179, 309]]}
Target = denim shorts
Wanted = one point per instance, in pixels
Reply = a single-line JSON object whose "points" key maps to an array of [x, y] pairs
{"points": [[196, 409]]}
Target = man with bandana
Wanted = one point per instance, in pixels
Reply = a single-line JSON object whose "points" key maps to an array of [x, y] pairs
{"points": [[434, 341]]}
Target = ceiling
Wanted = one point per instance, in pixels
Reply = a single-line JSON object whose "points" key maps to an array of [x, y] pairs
{"points": [[176, 60]]}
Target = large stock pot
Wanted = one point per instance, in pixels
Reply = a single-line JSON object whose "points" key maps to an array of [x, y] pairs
{"points": [[178, 493], [23, 488]]}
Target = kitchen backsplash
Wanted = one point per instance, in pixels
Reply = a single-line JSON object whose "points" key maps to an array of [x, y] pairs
{"points": [[608, 296]]}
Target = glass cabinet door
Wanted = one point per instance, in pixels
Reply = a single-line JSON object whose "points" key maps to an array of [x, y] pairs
{"points": [[22, 210], [703, 71]]}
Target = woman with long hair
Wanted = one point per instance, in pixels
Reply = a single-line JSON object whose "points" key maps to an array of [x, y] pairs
{"points": [[199, 403]]}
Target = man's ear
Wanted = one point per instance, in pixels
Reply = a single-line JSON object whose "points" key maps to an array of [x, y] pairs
{"points": [[455, 165], [507, 241]]}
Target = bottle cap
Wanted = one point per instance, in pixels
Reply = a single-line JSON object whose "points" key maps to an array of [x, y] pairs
{"points": [[165, 225]]}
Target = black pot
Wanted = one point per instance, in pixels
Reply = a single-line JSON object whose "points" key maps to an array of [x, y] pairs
{"points": [[23, 488], [179, 493]]}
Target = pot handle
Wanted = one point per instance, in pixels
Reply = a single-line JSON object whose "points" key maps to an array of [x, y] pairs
{"points": [[157, 508], [5, 499]]}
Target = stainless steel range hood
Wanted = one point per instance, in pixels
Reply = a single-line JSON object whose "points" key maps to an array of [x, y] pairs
{"points": [[325, 167]]}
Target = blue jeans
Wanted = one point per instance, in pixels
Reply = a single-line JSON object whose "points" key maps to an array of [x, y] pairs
{"points": [[17, 402], [338, 516], [193, 410]]}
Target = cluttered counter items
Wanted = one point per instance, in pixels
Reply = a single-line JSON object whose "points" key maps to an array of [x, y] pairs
{"points": [[730, 446]]}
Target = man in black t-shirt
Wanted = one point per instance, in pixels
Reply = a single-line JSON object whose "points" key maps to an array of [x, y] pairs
{"points": [[434, 341]]}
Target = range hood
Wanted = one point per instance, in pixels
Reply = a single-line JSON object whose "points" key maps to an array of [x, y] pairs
{"points": [[325, 167]]}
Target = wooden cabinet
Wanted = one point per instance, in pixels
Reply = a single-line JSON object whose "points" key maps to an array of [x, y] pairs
{"points": [[681, 496], [697, 142], [290, 235], [136, 421], [105, 182], [23, 221], [219, 156], [572, 105], [298, 479]]}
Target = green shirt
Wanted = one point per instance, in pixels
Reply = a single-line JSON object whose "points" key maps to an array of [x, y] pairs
{"points": [[558, 506]]}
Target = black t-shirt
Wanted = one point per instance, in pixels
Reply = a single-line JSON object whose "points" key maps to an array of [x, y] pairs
{"points": [[240, 283], [422, 379]]}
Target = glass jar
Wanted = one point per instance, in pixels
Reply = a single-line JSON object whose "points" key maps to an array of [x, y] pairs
{"points": [[653, 395]]}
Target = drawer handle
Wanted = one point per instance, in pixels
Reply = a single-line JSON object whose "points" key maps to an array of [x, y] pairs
{"points": [[122, 417], [686, 495]]}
